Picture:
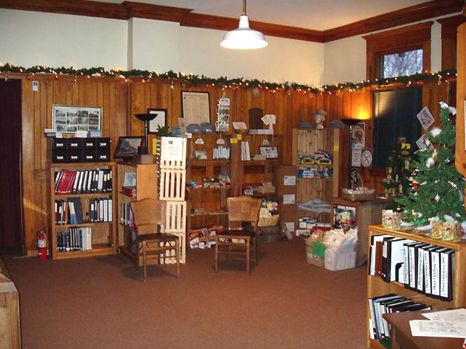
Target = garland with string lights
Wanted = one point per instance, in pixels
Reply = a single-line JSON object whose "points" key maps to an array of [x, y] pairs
{"points": [[194, 79]]}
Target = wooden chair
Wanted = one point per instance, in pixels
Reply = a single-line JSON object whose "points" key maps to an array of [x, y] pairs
{"points": [[149, 214], [238, 240]]}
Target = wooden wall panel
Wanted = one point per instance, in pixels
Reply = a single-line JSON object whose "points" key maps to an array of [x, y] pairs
{"points": [[121, 99]]}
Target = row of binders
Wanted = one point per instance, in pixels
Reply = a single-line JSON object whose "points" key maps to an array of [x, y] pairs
{"points": [[83, 181], [419, 266], [75, 239], [390, 303], [70, 211]]}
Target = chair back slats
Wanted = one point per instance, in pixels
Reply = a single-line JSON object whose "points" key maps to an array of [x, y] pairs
{"points": [[243, 209]]}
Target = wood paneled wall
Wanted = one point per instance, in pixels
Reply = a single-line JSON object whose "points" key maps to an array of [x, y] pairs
{"points": [[121, 99]]}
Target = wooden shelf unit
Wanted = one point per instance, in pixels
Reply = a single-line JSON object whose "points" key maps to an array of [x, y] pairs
{"points": [[210, 200], [306, 142], [378, 287], [104, 240], [146, 187]]}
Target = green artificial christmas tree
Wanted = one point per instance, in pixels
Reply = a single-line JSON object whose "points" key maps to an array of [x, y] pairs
{"points": [[436, 187], [398, 169]]}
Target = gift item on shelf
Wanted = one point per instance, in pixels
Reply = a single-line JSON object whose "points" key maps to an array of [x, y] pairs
{"points": [[268, 214], [391, 219], [358, 194], [204, 237], [451, 231], [316, 206]]}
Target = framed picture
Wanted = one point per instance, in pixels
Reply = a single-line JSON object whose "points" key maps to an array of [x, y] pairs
{"points": [[159, 121], [127, 147], [195, 107], [270, 152], [358, 135], [344, 216], [69, 119]]}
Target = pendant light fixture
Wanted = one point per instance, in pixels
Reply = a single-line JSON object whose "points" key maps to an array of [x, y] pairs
{"points": [[243, 37]]}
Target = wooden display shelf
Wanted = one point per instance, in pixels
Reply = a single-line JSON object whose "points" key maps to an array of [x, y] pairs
{"points": [[88, 195], [376, 286], [200, 214], [85, 224], [207, 162], [209, 188], [97, 250]]}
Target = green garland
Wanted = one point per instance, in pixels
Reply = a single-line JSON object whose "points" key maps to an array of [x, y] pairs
{"points": [[224, 81]]}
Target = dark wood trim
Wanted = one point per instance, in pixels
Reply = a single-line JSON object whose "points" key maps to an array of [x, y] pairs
{"points": [[397, 40], [450, 25], [225, 23], [69, 7], [130, 9], [149, 11], [449, 32], [406, 15]]}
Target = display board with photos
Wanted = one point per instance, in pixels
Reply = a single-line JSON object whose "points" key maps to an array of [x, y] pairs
{"points": [[69, 119]]}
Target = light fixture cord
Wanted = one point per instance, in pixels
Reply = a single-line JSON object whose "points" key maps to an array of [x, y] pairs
{"points": [[244, 7]]}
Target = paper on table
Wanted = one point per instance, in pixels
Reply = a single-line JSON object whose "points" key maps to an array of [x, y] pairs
{"points": [[447, 315], [429, 328]]}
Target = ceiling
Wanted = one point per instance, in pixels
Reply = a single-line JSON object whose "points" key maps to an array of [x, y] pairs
{"points": [[309, 14]]}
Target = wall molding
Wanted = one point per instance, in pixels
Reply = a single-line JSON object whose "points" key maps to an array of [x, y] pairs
{"points": [[185, 17]]}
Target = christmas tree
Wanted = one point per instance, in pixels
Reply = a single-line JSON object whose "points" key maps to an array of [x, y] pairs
{"points": [[398, 169], [436, 187]]}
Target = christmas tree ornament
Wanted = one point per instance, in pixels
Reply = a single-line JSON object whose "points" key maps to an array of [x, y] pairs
{"points": [[430, 162]]}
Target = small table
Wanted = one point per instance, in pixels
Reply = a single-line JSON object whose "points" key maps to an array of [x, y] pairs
{"points": [[401, 334]]}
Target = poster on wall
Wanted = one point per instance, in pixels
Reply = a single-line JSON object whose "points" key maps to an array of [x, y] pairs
{"points": [[358, 134], [69, 119], [195, 107]]}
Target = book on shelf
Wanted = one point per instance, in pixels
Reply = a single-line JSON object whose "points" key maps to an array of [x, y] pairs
{"points": [[129, 191]]}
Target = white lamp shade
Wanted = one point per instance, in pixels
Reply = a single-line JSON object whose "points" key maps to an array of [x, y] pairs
{"points": [[244, 37]]}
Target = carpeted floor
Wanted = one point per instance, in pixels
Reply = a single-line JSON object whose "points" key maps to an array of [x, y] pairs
{"points": [[103, 303]]}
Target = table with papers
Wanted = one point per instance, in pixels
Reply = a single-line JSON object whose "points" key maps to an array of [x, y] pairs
{"points": [[402, 336]]}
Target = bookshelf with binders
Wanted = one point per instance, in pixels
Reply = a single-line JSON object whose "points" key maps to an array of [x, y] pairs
{"points": [[83, 206], [408, 271]]}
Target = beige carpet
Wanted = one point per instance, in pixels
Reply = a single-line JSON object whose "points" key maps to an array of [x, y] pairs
{"points": [[103, 303]]}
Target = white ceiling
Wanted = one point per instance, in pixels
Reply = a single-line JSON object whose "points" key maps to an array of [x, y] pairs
{"points": [[310, 14]]}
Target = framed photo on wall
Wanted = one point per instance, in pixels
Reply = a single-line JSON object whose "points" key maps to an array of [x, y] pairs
{"points": [[69, 119], [195, 107], [159, 121], [127, 147]]}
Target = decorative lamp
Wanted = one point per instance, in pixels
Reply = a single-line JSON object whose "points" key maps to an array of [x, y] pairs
{"points": [[143, 149], [244, 37]]}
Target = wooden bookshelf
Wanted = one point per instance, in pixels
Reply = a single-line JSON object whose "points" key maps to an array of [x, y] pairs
{"points": [[376, 286], [104, 240], [146, 187]]}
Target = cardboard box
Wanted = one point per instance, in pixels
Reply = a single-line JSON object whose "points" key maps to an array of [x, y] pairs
{"points": [[315, 253]]}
